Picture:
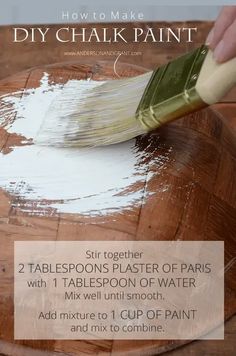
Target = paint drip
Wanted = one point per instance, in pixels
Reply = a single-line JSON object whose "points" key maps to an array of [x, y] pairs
{"points": [[88, 181]]}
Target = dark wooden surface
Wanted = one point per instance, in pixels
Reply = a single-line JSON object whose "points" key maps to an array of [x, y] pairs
{"points": [[211, 131], [16, 57]]}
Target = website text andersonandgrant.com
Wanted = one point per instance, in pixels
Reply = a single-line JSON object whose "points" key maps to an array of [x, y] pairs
{"points": [[102, 53]]}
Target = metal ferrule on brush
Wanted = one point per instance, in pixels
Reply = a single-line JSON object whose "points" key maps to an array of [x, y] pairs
{"points": [[171, 91]]}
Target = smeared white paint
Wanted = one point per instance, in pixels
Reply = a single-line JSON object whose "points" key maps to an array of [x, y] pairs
{"points": [[32, 109], [85, 180], [91, 181]]}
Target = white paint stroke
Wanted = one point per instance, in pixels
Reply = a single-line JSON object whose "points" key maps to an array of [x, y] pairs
{"points": [[89, 181]]}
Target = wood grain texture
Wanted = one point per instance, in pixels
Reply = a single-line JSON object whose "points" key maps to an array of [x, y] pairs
{"points": [[199, 205], [19, 56]]}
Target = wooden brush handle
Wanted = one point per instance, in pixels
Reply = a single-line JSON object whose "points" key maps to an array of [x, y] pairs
{"points": [[215, 79], [194, 170]]}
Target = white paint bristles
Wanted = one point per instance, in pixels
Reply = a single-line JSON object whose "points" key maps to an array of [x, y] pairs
{"points": [[94, 113], [89, 181]]}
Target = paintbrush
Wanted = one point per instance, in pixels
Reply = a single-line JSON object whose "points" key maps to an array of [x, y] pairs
{"points": [[117, 110]]}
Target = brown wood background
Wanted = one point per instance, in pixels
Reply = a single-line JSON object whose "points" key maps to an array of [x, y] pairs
{"points": [[17, 57]]}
